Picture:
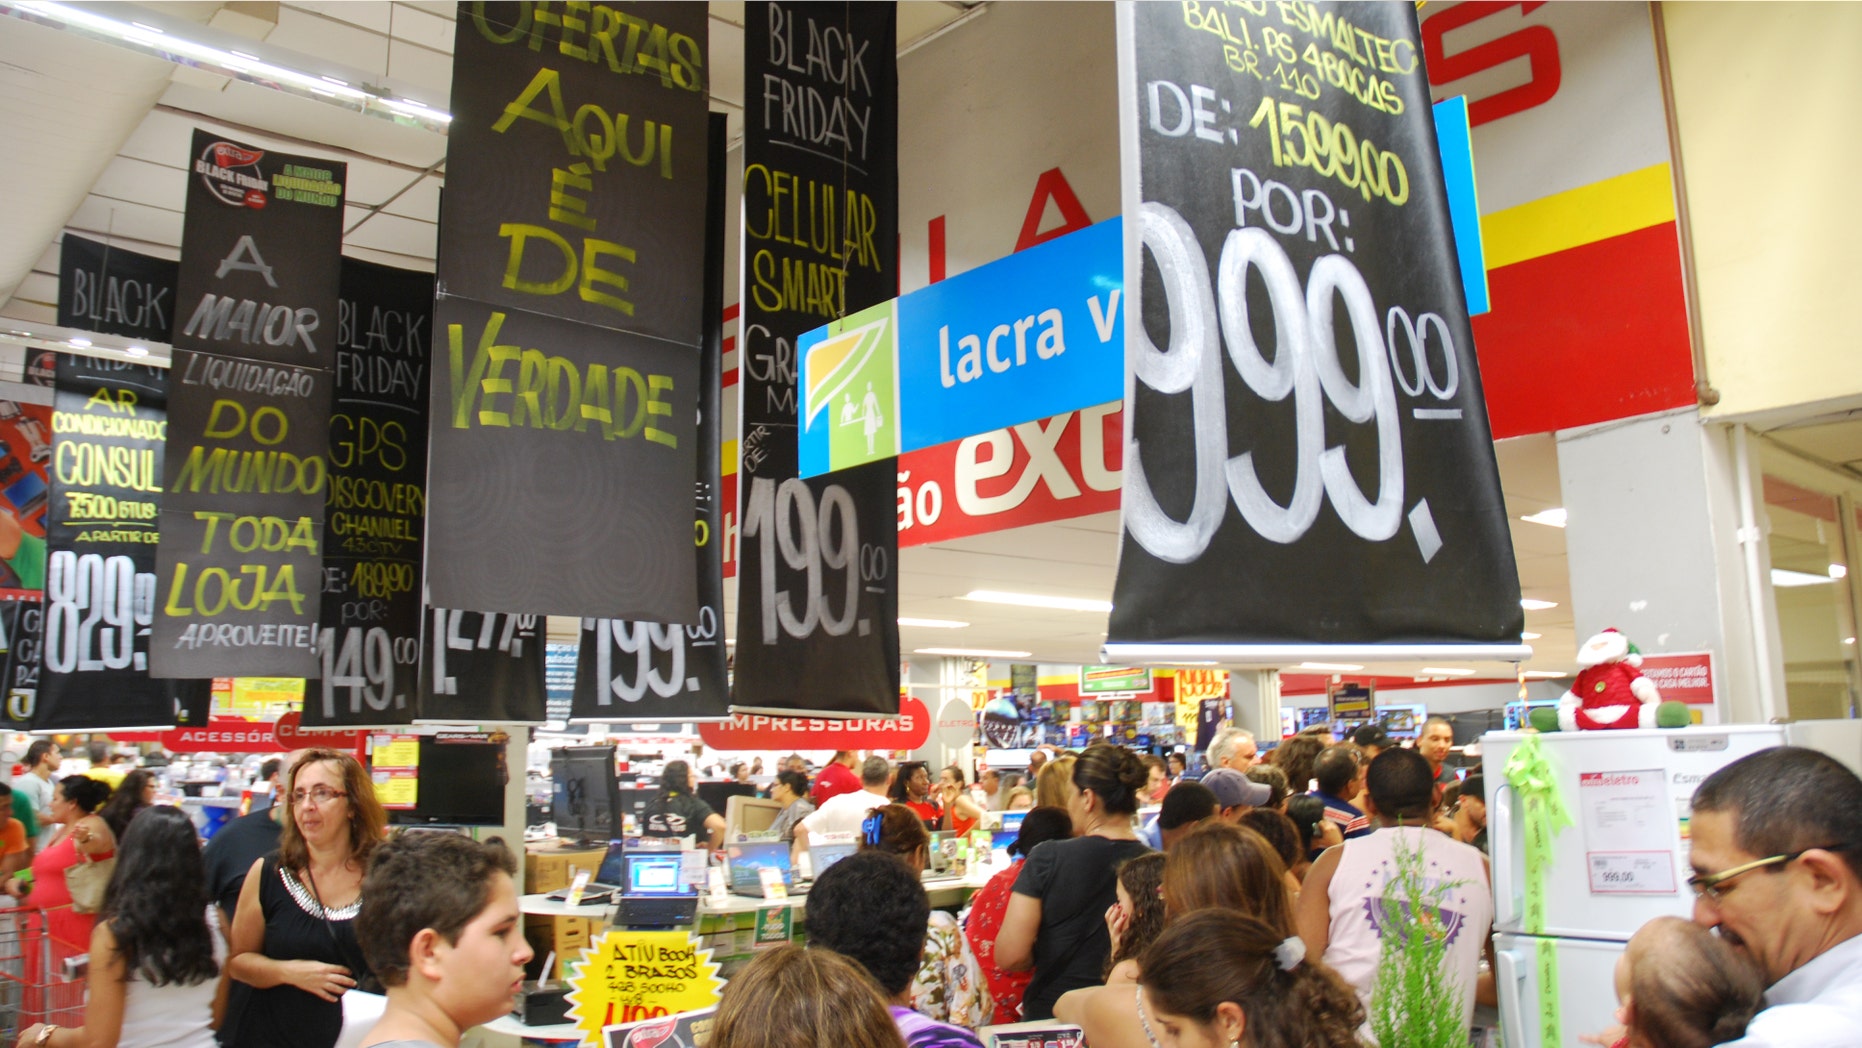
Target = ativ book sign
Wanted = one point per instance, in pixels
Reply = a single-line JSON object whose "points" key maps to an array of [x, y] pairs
{"points": [[1308, 466]]}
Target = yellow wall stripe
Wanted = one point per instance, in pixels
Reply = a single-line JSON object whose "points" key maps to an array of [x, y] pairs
{"points": [[1580, 216], [728, 452]]}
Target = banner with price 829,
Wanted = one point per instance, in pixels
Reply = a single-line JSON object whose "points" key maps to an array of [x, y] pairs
{"points": [[109, 422], [1308, 465]]}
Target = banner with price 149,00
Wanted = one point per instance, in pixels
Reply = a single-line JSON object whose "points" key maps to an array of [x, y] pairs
{"points": [[109, 422], [1308, 468]]}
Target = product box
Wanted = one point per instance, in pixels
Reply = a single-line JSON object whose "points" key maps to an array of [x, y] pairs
{"points": [[566, 937], [549, 869]]}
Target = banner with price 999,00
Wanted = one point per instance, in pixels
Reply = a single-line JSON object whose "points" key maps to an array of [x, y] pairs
{"points": [[1308, 469]]}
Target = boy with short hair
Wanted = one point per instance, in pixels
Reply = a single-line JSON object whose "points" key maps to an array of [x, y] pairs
{"points": [[441, 929]]}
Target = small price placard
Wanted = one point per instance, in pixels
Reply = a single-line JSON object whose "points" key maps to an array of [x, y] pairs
{"points": [[1631, 873]]}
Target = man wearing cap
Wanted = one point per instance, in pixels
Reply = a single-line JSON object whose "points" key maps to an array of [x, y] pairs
{"points": [[1373, 739], [1235, 794]]}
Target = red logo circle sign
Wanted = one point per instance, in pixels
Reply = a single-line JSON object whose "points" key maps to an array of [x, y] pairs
{"points": [[758, 731]]}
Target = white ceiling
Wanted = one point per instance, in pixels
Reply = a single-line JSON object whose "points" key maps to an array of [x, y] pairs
{"points": [[99, 139]]}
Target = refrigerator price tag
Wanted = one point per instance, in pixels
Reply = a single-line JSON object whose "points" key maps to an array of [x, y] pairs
{"points": [[1632, 873]]}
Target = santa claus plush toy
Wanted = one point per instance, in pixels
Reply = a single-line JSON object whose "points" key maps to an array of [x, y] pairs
{"points": [[1610, 692]]}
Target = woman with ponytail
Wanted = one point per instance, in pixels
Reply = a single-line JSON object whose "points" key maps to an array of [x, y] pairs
{"points": [[1221, 979]]}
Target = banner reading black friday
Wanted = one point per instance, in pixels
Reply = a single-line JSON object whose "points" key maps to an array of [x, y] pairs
{"points": [[656, 672], [114, 291], [567, 325], [482, 668], [376, 504], [819, 242], [239, 563], [109, 424], [260, 251], [1285, 216]]}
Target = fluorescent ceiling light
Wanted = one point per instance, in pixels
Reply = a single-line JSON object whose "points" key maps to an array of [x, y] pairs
{"points": [[932, 624], [1529, 635], [1332, 667], [1039, 600], [1545, 674], [148, 27], [974, 653], [1551, 518], [81, 342], [1535, 604], [137, 351], [1838, 571], [1445, 671], [1785, 578]]}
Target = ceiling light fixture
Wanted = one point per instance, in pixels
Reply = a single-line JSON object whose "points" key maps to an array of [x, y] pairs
{"points": [[1551, 518], [1529, 635], [1785, 578], [1332, 667], [1445, 671], [81, 343], [1535, 604], [1038, 600], [933, 624], [974, 653], [137, 351], [1545, 674], [1839, 571]]}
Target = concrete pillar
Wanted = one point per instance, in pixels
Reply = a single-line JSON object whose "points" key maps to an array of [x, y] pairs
{"points": [[1656, 549], [1254, 703]]}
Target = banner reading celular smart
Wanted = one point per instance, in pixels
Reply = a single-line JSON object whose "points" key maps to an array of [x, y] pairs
{"points": [[1308, 470], [817, 608], [567, 324]]}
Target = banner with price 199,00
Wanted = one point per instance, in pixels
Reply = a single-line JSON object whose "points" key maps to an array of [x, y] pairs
{"points": [[109, 422], [1308, 470]]}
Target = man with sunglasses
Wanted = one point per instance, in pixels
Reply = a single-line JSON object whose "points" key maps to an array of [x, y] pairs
{"points": [[1777, 857]]}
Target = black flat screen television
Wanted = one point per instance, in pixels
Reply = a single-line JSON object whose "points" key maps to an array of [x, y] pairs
{"points": [[585, 800], [461, 784]]}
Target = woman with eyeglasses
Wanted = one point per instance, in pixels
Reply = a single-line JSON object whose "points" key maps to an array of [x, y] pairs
{"points": [[294, 938]]}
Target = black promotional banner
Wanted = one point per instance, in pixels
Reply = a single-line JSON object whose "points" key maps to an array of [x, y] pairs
{"points": [[113, 291], [21, 623], [1309, 468], [259, 254], [376, 504], [482, 668], [654, 672], [567, 327], [817, 607], [109, 424], [240, 562]]}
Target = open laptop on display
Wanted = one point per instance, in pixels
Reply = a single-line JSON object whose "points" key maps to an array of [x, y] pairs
{"points": [[654, 892], [745, 858], [606, 882], [822, 855]]}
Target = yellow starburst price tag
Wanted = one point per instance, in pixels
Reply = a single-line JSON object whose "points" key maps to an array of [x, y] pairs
{"points": [[628, 976]]}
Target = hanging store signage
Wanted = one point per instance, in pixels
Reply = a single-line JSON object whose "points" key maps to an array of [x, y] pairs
{"points": [[817, 610], [567, 328], [1309, 469], [482, 668], [114, 291], [755, 731]]}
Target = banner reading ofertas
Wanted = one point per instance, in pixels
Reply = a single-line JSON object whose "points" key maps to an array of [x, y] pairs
{"points": [[377, 503], [1285, 220], [817, 609], [109, 423], [567, 325]]}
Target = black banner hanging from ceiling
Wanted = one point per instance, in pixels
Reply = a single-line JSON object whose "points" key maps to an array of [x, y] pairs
{"points": [[482, 668], [113, 291], [376, 505], [240, 563], [109, 423], [568, 324], [659, 672], [259, 254], [21, 626], [817, 608], [1309, 468]]}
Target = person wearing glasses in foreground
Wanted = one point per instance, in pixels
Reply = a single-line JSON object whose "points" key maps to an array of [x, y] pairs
{"points": [[294, 938], [1777, 858]]}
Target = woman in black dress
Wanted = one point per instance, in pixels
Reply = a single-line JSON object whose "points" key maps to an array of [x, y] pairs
{"points": [[294, 938]]}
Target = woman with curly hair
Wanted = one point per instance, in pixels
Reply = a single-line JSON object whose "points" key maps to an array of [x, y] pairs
{"points": [[1134, 922], [949, 983], [157, 956], [294, 939], [1216, 977]]}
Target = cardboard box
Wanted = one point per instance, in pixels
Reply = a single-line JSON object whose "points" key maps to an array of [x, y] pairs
{"points": [[549, 869]]}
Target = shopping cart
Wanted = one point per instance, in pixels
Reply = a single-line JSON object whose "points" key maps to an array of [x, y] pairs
{"points": [[42, 979]]}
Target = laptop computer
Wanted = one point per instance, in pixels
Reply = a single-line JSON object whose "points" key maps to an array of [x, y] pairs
{"points": [[605, 883], [825, 854], [654, 892], [743, 860]]}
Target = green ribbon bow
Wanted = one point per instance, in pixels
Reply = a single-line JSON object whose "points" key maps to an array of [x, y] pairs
{"points": [[1542, 815]]}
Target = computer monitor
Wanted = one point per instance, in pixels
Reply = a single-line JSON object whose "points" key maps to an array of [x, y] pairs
{"points": [[749, 815], [746, 858], [586, 798], [461, 783], [822, 855], [1012, 821]]}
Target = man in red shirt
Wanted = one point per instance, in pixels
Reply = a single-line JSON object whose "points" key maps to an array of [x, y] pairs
{"points": [[837, 778]]}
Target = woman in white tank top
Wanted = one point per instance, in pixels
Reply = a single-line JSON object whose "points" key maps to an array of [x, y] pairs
{"points": [[158, 955]]}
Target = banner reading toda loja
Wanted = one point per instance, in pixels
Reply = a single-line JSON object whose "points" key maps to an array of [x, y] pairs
{"points": [[1308, 469]]}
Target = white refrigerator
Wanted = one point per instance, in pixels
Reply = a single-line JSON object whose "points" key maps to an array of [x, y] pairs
{"points": [[1623, 862]]}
